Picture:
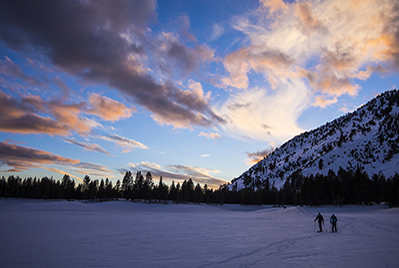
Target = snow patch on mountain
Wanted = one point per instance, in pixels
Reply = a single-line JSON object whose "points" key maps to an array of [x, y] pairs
{"points": [[367, 137]]}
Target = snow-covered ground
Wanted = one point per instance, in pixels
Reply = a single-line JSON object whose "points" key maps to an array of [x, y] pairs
{"points": [[36, 233]]}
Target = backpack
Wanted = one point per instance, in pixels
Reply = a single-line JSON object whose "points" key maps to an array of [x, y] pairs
{"points": [[334, 219]]}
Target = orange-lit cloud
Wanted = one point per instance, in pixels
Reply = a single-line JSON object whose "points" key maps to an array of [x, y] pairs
{"points": [[31, 114], [333, 31], [255, 157], [69, 115], [273, 6], [18, 117], [108, 109], [23, 158], [210, 135], [306, 49], [259, 59], [309, 22], [324, 102]]}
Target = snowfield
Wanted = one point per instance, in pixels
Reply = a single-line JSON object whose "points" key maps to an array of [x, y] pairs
{"points": [[38, 233]]}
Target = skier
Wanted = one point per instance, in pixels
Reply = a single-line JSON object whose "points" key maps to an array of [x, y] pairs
{"points": [[333, 221], [320, 220]]}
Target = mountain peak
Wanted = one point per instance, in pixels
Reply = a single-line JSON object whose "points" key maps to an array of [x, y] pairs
{"points": [[367, 137]]}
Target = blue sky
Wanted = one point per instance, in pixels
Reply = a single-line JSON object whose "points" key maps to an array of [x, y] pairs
{"points": [[183, 89]]}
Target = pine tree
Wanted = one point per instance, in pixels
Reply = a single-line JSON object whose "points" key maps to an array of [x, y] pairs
{"points": [[86, 183], [127, 185], [138, 187]]}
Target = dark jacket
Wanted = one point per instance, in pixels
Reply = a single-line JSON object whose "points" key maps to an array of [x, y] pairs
{"points": [[319, 218]]}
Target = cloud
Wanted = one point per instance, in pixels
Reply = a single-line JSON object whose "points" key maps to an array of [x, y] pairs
{"points": [[181, 57], [184, 23], [180, 173], [267, 115], [217, 31], [255, 157], [12, 70], [124, 142], [256, 58], [108, 109], [309, 22], [59, 171], [210, 135], [303, 49], [20, 117], [93, 170], [23, 158], [110, 44], [323, 102], [273, 6], [390, 36], [88, 146], [69, 116], [26, 114]]}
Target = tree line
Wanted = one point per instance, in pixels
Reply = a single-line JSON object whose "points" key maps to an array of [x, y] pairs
{"points": [[137, 188], [352, 186], [346, 187]]}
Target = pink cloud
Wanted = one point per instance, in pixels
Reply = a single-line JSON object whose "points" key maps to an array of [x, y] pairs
{"points": [[26, 115], [210, 135], [108, 109], [255, 157], [323, 101], [273, 6], [23, 158]]}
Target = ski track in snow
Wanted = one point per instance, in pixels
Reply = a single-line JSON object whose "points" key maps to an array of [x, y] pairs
{"points": [[38, 233]]}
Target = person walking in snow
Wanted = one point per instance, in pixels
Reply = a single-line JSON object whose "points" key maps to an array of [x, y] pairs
{"points": [[333, 221], [320, 220]]}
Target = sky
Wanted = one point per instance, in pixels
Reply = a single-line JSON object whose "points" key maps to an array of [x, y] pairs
{"points": [[196, 89]]}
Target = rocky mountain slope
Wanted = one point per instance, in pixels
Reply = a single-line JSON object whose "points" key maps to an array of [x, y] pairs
{"points": [[368, 137]]}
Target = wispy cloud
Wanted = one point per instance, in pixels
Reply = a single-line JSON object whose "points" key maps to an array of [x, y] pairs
{"points": [[87, 146], [179, 173], [13, 71], [23, 158], [59, 171], [19, 158], [217, 31], [210, 135], [255, 157], [93, 170], [124, 142], [248, 116], [273, 6], [304, 49]]}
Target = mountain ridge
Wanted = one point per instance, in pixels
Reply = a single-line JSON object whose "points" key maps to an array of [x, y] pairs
{"points": [[367, 137]]}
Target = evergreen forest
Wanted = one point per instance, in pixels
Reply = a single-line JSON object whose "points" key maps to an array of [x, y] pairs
{"points": [[341, 188]]}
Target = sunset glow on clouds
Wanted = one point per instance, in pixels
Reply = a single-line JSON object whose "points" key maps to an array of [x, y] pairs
{"points": [[91, 86]]}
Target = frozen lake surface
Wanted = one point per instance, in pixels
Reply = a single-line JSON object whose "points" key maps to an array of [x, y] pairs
{"points": [[38, 233]]}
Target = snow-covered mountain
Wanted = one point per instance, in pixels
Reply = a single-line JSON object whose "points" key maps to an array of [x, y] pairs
{"points": [[367, 137]]}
